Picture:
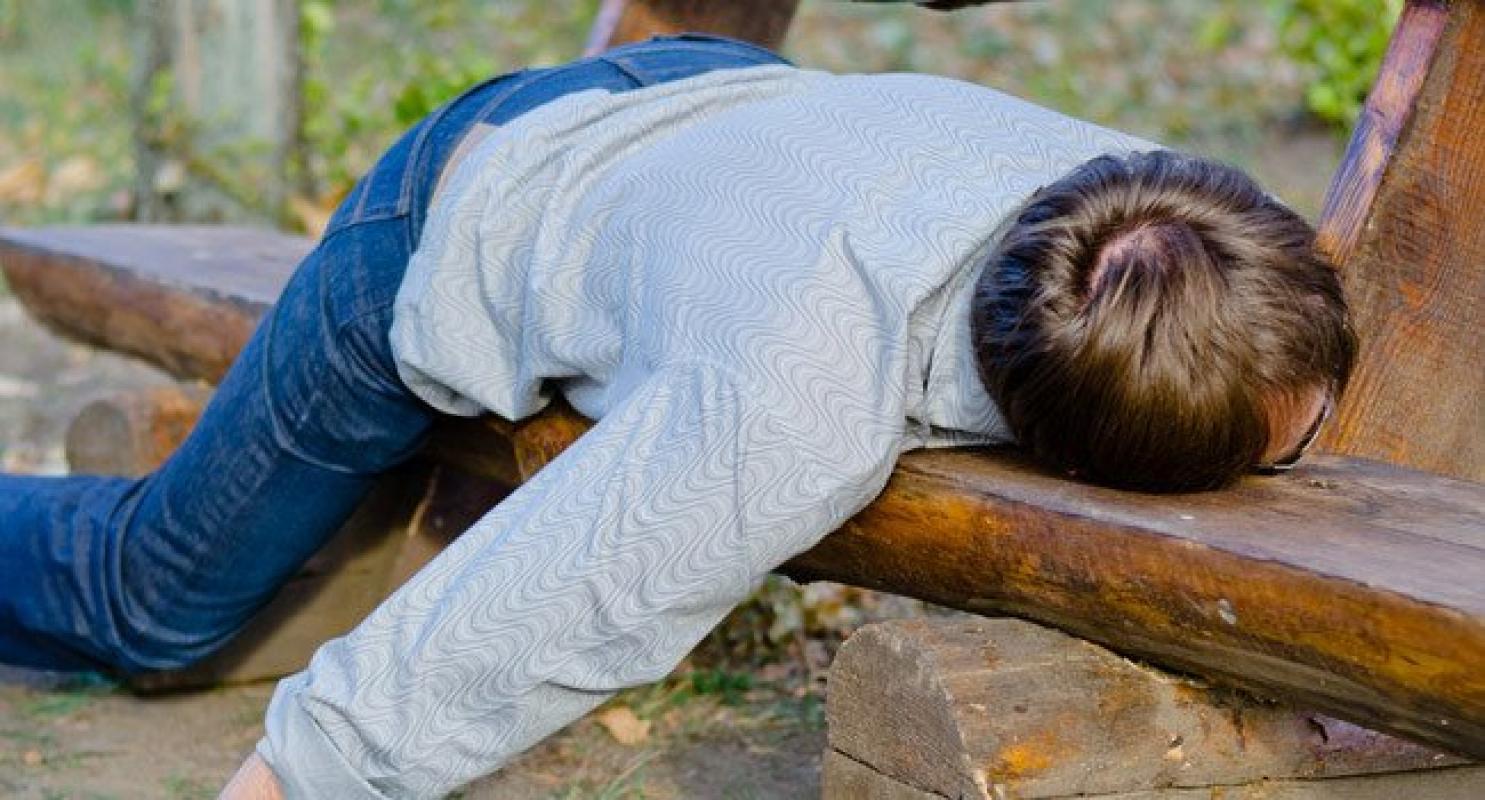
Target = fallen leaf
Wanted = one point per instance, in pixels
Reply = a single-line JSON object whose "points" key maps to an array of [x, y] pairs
{"points": [[23, 183], [626, 727], [75, 175], [31, 758]]}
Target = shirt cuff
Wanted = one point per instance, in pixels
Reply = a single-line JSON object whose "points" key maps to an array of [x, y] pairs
{"points": [[305, 761]]}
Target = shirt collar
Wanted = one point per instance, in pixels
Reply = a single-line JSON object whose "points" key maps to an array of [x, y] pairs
{"points": [[955, 401]]}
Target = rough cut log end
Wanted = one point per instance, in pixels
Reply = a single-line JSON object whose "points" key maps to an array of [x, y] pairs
{"points": [[991, 708], [132, 433]]}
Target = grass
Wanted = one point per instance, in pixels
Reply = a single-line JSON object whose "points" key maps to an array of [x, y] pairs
{"points": [[67, 699], [180, 787]]}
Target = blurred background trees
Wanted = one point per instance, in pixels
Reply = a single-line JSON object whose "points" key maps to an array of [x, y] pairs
{"points": [[267, 110]]}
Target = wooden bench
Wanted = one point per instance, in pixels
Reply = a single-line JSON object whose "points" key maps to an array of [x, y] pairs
{"points": [[1351, 586]]}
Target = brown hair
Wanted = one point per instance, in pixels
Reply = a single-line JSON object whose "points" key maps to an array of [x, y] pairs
{"points": [[1142, 315]]}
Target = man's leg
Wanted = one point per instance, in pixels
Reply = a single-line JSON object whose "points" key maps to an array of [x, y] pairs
{"points": [[157, 572]]}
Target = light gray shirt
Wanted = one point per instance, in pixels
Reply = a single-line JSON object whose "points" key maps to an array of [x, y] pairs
{"points": [[758, 282]]}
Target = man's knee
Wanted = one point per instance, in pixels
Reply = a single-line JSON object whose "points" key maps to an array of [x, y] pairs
{"points": [[157, 643]]}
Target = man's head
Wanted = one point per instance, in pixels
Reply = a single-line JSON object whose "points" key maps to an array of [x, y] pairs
{"points": [[1158, 322]]}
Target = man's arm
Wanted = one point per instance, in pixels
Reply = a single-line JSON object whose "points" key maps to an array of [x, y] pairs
{"points": [[599, 574]]}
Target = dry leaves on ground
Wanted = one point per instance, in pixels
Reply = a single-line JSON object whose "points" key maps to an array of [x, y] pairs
{"points": [[23, 183], [624, 725]]}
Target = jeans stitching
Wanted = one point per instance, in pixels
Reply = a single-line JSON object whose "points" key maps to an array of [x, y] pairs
{"points": [[624, 69], [414, 164], [693, 43]]}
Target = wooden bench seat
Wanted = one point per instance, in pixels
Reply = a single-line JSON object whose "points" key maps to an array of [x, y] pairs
{"points": [[1349, 586]]}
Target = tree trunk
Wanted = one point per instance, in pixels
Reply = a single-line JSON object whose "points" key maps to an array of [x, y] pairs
{"points": [[216, 108]]}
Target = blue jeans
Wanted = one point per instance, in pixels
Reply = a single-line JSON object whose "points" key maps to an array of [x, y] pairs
{"points": [[132, 575]]}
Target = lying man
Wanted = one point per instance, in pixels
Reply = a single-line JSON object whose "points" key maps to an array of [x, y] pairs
{"points": [[765, 283]]}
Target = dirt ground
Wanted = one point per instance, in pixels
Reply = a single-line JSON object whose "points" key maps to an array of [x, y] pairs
{"points": [[87, 739]]}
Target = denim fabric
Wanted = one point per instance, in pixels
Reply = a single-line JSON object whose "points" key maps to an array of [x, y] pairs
{"points": [[133, 575]]}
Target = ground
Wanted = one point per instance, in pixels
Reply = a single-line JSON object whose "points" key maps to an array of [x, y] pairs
{"points": [[89, 740]]}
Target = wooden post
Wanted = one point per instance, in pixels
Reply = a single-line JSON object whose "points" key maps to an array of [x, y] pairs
{"points": [[132, 433], [763, 22], [216, 107], [1403, 220]]}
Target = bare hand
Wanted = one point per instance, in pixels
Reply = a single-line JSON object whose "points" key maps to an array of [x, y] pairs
{"points": [[253, 781]]}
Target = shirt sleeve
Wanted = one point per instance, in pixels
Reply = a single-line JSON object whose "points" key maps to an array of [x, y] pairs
{"points": [[600, 573]]}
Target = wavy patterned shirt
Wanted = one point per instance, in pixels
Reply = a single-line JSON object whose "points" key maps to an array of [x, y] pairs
{"points": [[757, 281]]}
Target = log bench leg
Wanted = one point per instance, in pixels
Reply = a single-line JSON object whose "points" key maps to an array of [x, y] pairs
{"points": [[409, 517], [999, 708], [131, 433]]}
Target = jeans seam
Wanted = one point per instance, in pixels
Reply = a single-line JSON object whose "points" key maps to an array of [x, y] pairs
{"points": [[334, 233], [285, 430], [415, 156], [624, 69], [365, 191], [692, 42], [341, 329]]}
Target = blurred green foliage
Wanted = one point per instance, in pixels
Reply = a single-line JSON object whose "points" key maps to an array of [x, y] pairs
{"points": [[65, 153], [1209, 75], [375, 67], [1343, 42]]}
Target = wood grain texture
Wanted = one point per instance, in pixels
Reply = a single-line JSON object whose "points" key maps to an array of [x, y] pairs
{"points": [[1348, 586], [1404, 221], [844, 779], [185, 298], [762, 22], [982, 708], [1389, 109]]}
